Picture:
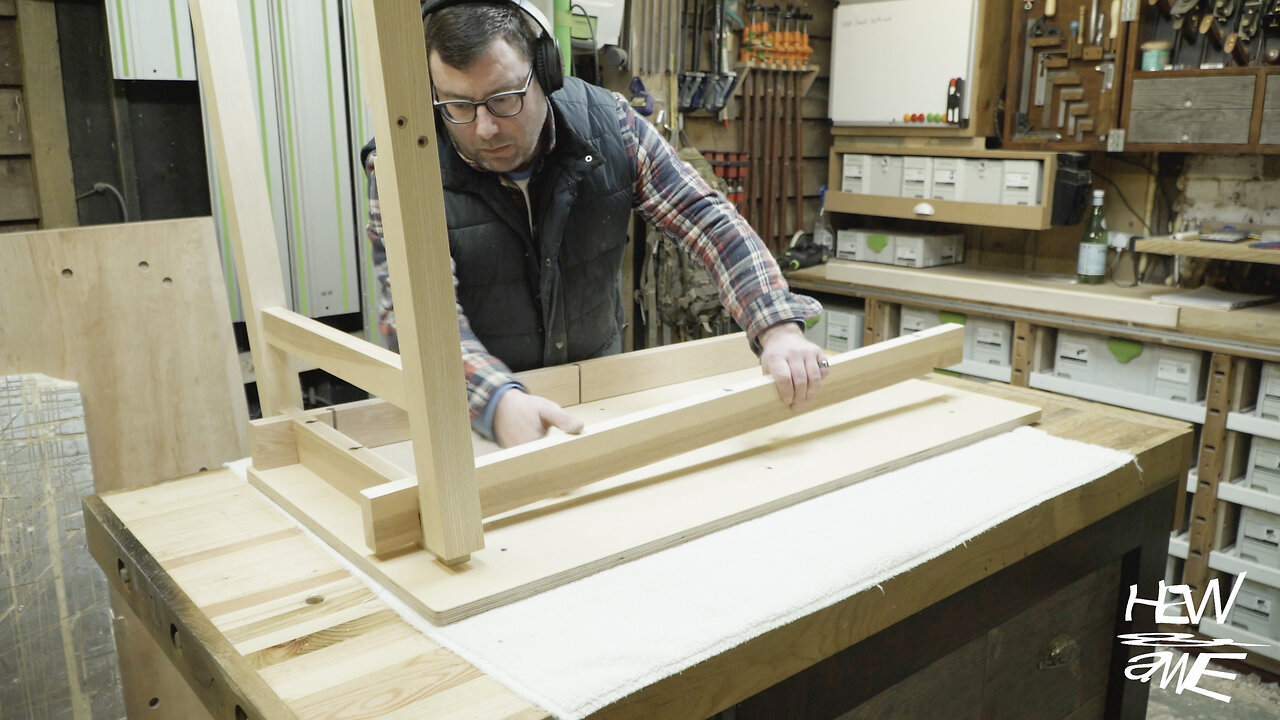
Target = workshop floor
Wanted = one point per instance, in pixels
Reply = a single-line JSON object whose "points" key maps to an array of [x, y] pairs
{"points": [[1252, 698]]}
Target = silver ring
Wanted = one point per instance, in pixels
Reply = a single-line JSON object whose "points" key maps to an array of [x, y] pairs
{"points": [[824, 363]]}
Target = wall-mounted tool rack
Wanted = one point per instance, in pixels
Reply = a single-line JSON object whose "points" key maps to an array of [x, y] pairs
{"points": [[1221, 91], [1066, 66]]}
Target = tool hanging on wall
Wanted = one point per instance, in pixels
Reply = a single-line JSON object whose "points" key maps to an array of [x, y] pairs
{"points": [[691, 80], [1238, 43], [1271, 34]]}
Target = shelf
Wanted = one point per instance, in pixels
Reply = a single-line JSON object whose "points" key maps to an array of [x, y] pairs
{"points": [[1269, 646], [1226, 561], [1188, 412], [1179, 546], [1240, 251], [1026, 217], [1236, 492], [1253, 425], [1098, 302]]}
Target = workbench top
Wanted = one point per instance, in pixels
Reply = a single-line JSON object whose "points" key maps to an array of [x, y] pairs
{"points": [[267, 624]]}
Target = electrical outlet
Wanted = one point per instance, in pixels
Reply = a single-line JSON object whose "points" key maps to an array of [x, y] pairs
{"points": [[1119, 240]]}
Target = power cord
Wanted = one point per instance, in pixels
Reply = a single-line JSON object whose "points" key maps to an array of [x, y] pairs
{"points": [[100, 188]]}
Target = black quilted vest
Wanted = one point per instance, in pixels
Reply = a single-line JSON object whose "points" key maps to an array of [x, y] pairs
{"points": [[551, 297]]}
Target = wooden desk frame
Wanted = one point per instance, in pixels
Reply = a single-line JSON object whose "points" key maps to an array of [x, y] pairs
{"points": [[441, 503]]}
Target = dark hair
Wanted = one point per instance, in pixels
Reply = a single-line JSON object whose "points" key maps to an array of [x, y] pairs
{"points": [[460, 34]]}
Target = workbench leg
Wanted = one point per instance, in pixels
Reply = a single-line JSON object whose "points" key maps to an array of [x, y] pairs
{"points": [[153, 687], [1024, 343]]}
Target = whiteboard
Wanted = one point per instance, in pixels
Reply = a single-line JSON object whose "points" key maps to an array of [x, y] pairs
{"points": [[895, 57]]}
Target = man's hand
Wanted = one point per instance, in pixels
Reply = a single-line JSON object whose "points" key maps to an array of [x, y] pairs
{"points": [[521, 418], [797, 365]]}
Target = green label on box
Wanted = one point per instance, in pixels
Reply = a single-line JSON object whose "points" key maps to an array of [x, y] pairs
{"points": [[877, 243], [947, 316], [1124, 350]]}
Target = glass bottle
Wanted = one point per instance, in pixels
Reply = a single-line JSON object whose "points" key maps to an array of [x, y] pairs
{"points": [[1091, 265]]}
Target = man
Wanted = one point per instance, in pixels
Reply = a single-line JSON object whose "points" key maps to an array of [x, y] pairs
{"points": [[538, 193]]}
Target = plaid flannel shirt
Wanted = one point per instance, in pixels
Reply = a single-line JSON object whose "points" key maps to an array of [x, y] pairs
{"points": [[670, 195]]}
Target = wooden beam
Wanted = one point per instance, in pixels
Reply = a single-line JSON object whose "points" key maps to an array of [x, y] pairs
{"points": [[369, 367], [272, 442], [521, 475], [393, 62], [647, 369], [46, 113], [224, 79], [341, 461]]}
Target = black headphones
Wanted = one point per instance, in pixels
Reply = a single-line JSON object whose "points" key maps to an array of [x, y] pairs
{"points": [[548, 65]]}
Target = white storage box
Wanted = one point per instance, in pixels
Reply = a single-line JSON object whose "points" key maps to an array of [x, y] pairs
{"points": [[1263, 473], [847, 242], [988, 341], [915, 319], [855, 169], [917, 177], [883, 176], [981, 181], [1255, 609], [946, 178], [1258, 539], [1269, 392], [844, 328], [922, 250], [817, 332], [1021, 182], [1157, 370], [877, 247]]}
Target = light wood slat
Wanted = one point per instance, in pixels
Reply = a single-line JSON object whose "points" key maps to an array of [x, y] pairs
{"points": [[662, 504], [654, 367], [373, 369], [1214, 250], [987, 288], [224, 79], [272, 442], [338, 459], [535, 471], [553, 465], [393, 62]]}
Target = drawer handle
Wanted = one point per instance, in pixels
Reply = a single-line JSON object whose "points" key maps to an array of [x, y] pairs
{"points": [[1186, 103], [1062, 650], [1185, 137], [923, 209]]}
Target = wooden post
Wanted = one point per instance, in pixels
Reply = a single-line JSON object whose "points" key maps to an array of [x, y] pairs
{"points": [[393, 61], [224, 78], [1205, 507]]}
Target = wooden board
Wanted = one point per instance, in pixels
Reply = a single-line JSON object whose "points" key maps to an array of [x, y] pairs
{"points": [[961, 283], [599, 526], [55, 626], [137, 315], [46, 113]]}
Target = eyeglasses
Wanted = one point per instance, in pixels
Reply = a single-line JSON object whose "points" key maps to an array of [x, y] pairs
{"points": [[503, 104]]}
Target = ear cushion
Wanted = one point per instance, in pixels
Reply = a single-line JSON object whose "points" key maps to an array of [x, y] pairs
{"points": [[548, 66]]}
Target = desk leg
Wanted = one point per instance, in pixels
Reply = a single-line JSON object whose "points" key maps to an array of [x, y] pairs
{"points": [[153, 687]]}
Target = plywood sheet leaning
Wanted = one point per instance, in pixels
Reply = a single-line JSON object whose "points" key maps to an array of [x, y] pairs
{"points": [[55, 624], [137, 315], [630, 515]]}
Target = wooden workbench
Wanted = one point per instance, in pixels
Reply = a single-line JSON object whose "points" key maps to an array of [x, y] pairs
{"points": [[265, 624]]}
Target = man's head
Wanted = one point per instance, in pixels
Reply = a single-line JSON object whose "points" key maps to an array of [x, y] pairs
{"points": [[476, 51]]}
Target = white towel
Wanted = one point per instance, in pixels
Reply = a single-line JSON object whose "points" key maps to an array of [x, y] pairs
{"points": [[577, 648]]}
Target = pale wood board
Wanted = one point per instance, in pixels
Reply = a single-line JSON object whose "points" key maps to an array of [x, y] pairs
{"points": [[151, 346], [46, 113], [655, 367], [645, 510], [55, 625], [1240, 252], [1002, 289], [393, 63], [374, 369], [224, 81]]}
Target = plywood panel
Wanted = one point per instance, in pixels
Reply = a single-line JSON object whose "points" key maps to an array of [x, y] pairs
{"points": [[17, 190], [664, 503], [137, 315]]}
